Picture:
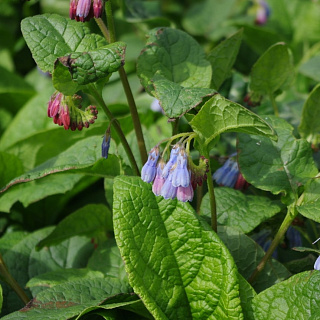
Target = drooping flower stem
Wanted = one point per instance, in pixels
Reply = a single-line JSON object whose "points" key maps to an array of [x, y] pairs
{"points": [[212, 198], [117, 127], [111, 37], [291, 214], [7, 277]]}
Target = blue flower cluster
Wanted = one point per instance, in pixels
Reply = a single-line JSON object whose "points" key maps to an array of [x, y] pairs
{"points": [[229, 175], [174, 179]]}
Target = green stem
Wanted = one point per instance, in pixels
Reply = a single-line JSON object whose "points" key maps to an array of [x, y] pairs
{"points": [[274, 105], [103, 28], [291, 214], [175, 125], [117, 127], [7, 277], [127, 88], [213, 206], [199, 198]]}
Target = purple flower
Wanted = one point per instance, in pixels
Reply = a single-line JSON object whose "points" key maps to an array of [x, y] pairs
{"points": [[149, 169], [227, 175], [317, 264], [83, 9], [185, 194], [173, 158], [263, 12], [105, 144], [159, 180], [98, 8], [181, 174], [168, 191]]}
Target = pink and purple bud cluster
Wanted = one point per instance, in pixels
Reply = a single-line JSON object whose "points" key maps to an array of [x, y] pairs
{"points": [[229, 175], [84, 10], [176, 178], [65, 111]]}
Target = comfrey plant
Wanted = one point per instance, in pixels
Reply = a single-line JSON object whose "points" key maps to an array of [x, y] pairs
{"points": [[93, 227]]}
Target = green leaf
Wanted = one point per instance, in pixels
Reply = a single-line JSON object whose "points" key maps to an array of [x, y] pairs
{"points": [[176, 100], [90, 66], [14, 91], [272, 71], [220, 115], [175, 263], [176, 56], [309, 127], [62, 80], [280, 166], [222, 58], [107, 259], [311, 68], [247, 294], [67, 300], [295, 298], [90, 220], [311, 201], [240, 211], [73, 161], [53, 278], [51, 36], [137, 10], [11, 166], [247, 254], [207, 18]]}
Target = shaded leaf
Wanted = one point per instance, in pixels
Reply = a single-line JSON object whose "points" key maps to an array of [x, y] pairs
{"points": [[11, 167], [222, 58], [175, 274], [247, 254], [311, 68], [280, 166], [240, 211], [90, 220]]}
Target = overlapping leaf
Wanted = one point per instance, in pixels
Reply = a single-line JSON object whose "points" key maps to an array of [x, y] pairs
{"points": [[295, 298], [51, 36], [242, 212], [176, 264], [280, 166], [220, 115]]}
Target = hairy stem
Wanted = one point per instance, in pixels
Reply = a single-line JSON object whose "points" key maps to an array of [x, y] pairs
{"points": [[126, 86], [213, 206], [291, 214], [117, 127], [7, 277]]}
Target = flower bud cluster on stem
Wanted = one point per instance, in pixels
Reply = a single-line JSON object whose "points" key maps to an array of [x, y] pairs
{"points": [[176, 178], [84, 10], [65, 111]]}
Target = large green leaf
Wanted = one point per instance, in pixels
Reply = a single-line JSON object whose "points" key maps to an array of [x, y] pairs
{"points": [[310, 207], [73, 161], [90, 220], [51, 36], [247, 254], [272, 71], [295, 298], [222, 58], [280, 166], [220, 115], [247, 294], [69, 299], [240, 211], [176, 56], [176, 100], [11, 166], [90, 66], [309, 127], [175, 262]]}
